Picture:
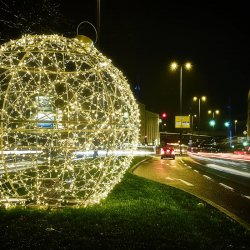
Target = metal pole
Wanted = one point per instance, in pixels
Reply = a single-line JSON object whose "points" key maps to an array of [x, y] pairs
{"points": [[181, 90], [235, 128], [192, 123], [98, 19], [199, 113], [180, 107]]}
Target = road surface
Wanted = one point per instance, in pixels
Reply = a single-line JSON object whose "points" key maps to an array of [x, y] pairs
{"points": [[186, 174]]}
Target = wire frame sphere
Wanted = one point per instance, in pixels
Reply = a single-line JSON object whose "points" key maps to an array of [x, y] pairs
{"points": [[69, 122]]}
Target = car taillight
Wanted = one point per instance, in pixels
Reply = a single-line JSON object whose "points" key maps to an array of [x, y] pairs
{"points": [[162, 151], [173, 152]]}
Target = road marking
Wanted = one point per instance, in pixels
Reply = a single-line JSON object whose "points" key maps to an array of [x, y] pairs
{"points": [[176, 179], [196, 162], [165, 164], [185, 182], [246, 196], [225, 186], [196, 171], [185, 164], [207, 177], [169, 178]]}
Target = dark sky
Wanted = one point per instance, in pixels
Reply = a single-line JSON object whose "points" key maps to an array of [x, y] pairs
{"points": [[143, 37]]}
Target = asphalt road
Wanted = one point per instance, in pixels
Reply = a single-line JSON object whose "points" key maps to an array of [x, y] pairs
{"points": [[186, 174]]}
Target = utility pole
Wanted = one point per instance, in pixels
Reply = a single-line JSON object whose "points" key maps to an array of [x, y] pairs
{"points": [[98, 14]]}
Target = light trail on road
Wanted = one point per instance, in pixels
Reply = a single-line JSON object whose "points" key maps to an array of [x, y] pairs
{"points": [[228, 170], [228, 156]]}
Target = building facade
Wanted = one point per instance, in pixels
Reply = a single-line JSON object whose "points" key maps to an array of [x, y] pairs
{"points": [[149, 127]]}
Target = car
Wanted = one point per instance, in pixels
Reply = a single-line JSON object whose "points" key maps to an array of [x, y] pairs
{"points": [[167, 152]]}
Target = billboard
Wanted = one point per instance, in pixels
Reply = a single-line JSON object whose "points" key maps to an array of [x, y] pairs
{"points": [[182, 121]]}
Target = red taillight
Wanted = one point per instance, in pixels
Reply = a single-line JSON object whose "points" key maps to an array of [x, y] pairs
{"points": [[162, 151]]}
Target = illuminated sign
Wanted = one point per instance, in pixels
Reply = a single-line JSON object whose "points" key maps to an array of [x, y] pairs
{"points": [[182, 121]]}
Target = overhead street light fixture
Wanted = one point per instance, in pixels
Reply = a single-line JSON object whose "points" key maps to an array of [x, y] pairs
{"points": [[215, 112], [174, 66], [200, 99]]}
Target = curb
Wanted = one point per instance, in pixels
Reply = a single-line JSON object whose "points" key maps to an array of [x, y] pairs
{"points": [[221, 209], [132, 169]]}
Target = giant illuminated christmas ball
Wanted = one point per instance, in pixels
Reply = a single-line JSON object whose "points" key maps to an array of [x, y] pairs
{"points": [[69, 122]]}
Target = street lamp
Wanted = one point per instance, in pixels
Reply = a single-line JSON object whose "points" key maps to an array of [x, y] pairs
{"points": [[192, 122], [215, 112], [203, 99], [174, 66], [235, 126]]}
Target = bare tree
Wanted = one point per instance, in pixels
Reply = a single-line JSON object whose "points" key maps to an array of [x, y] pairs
{"points": [[30, 17]]}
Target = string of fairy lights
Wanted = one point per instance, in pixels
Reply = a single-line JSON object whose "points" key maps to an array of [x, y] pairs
{"points": [[69, 122]]}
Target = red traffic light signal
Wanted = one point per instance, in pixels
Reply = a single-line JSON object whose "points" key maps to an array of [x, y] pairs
{"points": [[164, 115]]}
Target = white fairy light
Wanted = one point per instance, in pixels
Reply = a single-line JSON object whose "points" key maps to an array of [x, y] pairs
{"points": [[58, 97]]}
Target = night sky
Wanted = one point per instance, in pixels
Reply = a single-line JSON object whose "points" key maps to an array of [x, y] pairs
{"points": [[143, 37]]}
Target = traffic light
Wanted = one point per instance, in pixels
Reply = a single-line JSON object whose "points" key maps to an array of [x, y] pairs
{"points": [[212, 123], [164, 115], [227, 124], [163, 121]]}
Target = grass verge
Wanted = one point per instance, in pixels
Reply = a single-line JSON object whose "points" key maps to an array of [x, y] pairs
{"points": [[138, 214]]}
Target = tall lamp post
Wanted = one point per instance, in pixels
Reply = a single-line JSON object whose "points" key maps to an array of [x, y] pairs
{"points": [[192, 121], [174, 66], [235, 127], [203, 99], [215, 112]]}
